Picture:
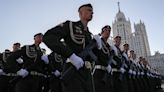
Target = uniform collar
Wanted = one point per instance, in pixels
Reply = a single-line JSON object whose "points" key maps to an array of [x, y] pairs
{"points": [[36, 47], [79, 23]]}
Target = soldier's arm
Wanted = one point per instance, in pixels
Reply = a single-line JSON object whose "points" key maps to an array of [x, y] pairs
{"points": [[12, 65], [52, 38]]}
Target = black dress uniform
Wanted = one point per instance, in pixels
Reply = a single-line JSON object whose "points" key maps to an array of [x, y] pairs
{"points": [[55, 68], [101, 75], [76, 39], [143, 78], [118, 74], [136, 81], [31, 55], [5, 75], [127, 76]]}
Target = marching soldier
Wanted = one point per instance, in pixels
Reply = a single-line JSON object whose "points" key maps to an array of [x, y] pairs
{"points": [[127, 80], [54, 71], [55, 65], [102, 69], [142, 75], [6, 74], [30, 74], [146, 77], [138, 87], [118, 67], [158, 80], [44, 82], [76, 37]]}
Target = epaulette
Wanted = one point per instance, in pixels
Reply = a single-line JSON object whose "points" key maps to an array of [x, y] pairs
{"points": [[78, 39], [29, 53]]}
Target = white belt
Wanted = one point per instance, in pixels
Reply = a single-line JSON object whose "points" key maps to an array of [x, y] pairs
{"points": [[34, 73], [10, 74], [87, 63], [100, 67], [115, 70]]}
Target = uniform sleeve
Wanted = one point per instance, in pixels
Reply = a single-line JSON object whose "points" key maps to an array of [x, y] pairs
{"points": [[52, 38], [11, 64]]}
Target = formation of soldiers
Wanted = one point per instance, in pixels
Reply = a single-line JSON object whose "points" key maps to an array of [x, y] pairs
{"points": [[79, 62]]}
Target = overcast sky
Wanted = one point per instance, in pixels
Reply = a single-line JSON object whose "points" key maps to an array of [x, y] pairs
{"points": [[21, 19]]}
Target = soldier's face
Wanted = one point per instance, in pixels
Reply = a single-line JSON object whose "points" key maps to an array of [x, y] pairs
{"points": [[107, 32], [118, 41], [38, 39], [16, 47], [86, 13], [126, 47]]}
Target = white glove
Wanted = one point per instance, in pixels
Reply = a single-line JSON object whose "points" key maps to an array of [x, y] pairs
{"points": [[122, 70], [130, 71], [142, 73], [22, 72], [45, 59], [147, 74], [76, 61], [56, 73], [20, 60], [109, 68], [1, 72], [134, 72], [98, 40]]}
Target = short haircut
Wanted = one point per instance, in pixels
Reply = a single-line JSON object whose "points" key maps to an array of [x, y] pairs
{"points": [[117, 37], [84, 5], [126, 44], [17, 43], [131, 50], [107, 26], [38, 34]]}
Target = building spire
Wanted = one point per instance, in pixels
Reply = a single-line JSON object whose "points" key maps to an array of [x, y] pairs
{"points": [[118, 6]]}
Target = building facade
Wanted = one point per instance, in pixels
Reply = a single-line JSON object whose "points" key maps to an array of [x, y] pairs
{"points": [[122, 27], [137, 40], [140, 43], [157, 62]]}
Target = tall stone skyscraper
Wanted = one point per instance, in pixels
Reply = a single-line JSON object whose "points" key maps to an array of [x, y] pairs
{"points": [[137, 40], [122, 27], [141, 44]]}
